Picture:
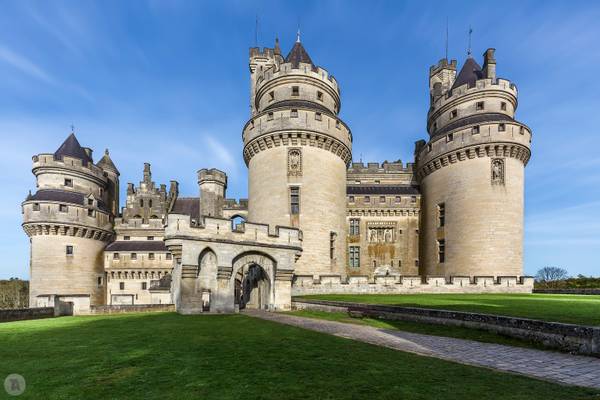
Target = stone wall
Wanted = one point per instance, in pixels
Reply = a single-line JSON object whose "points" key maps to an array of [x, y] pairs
{"points": [[26, 313], [568, 291], [120, 309], [568, 337], [334, 284]]}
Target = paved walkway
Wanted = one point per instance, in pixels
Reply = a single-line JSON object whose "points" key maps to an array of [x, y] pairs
{"points": [[548, 365]]}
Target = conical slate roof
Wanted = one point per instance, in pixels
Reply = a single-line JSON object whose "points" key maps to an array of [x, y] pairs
{"points": [[298, 55], [470, 73], [106, 163], [72, 148]]}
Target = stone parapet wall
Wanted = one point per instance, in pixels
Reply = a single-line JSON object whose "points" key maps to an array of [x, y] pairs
{"points": [[19, 314], [334, 284], [567, 337], [137, 308], [569, 291]]}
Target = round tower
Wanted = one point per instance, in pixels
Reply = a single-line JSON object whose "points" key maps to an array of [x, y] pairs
{"points": [[471, 173], [297, 149], [69, 222]]}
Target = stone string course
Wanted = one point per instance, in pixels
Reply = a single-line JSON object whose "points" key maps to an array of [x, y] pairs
{"points": [[334, 284]]}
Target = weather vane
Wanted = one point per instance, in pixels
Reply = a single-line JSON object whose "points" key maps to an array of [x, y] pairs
{"points": [[72, 128], [470, 33]]}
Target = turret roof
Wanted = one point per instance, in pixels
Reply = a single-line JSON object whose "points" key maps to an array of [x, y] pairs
{"points": [[72, 148], [469, 74], [298, 55], [107, 163]]}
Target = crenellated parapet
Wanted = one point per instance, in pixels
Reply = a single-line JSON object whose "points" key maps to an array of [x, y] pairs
{"points": [[50, 171], [212, 229], [398, 284]]}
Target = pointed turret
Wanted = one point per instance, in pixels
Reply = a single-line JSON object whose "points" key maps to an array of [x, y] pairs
{"points": [[469, 74], [106, 163], [298, 55], [72, 148]]}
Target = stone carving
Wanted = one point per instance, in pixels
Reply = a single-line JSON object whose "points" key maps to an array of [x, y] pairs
{"points": [[381, 235], [497, 171], [295, 162]]}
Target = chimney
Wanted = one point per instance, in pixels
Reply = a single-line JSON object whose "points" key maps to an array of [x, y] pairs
{"points": [[489, 64]]}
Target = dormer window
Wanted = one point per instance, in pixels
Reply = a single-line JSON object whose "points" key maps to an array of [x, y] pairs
{"points": [[294, 113], [90, 202], [453, 114], [479, 106], [295, 90], [68, 182], [320, 96]]}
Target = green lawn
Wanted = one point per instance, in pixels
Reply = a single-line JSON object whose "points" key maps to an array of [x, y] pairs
{"points": [[170, 356], [573, 309], [416, 327]]}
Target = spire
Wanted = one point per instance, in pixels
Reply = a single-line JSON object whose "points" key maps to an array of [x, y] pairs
{"points": [[277, 48], [469, 74], [106, 163], [72, 148], [298, 55]]}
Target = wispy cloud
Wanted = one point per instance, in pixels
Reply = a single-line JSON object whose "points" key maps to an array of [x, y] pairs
{"points": [[24, 65]]}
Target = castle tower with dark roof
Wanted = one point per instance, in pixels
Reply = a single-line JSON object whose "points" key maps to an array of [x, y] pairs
{"points": [[69, 221], [297, 149], [471, 173]]}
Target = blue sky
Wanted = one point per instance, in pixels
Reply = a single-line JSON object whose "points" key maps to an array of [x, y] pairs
{"points": [[166, 82]]}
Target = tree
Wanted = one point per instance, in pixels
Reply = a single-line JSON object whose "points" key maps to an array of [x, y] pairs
{"points": [[551, 276]]}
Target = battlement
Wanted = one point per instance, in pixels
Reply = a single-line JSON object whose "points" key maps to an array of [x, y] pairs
{"points": [[335, 284], [212, 175], [480, 85], [442, 64], [221, 229], [138, 223], [234, 204], [304, 70], [47, 160], [265, 52], [375, 167]]}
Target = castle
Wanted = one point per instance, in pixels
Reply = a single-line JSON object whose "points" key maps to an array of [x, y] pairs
{"points": [[314, 221]]}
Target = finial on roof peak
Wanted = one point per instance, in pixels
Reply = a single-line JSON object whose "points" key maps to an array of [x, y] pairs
{"points": [[298, 36], [105, 152], [469, 49]]}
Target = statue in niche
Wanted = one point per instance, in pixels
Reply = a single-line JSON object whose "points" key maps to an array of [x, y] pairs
{"points": [[497, 171], [388, 235], [372, 235], [294, 162]]}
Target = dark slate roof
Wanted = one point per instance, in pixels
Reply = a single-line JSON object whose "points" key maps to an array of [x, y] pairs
{"points": [[382, 189], [137, 245], [298, 55], [72, 148], [469, 74], [473, 120], [187, 206], [64, 196], [107, 163], [299, 104]]}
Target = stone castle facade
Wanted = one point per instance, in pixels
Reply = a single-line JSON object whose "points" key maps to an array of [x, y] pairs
{"points": [[314, 221]]}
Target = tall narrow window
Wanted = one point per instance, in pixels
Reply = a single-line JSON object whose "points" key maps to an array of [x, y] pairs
{"points": [[295, 200], [441, 214], [122, 285], [320, 96], [144, 285], [332, 236], [354, 257], [295, 90], [99, 281], [141, 202], [354, 226], [69, 250], [503, 106], [168, 256], [442, 250], [150, 203]]}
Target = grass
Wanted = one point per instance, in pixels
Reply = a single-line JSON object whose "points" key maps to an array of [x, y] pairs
{"points": [[170, 356], [573, 309], [416, 327]]}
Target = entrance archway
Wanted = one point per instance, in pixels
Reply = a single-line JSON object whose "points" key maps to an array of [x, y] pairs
{"points": [[252, 288]]}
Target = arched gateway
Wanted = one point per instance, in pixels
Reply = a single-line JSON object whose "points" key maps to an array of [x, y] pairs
{"points": [[221, 269]]}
